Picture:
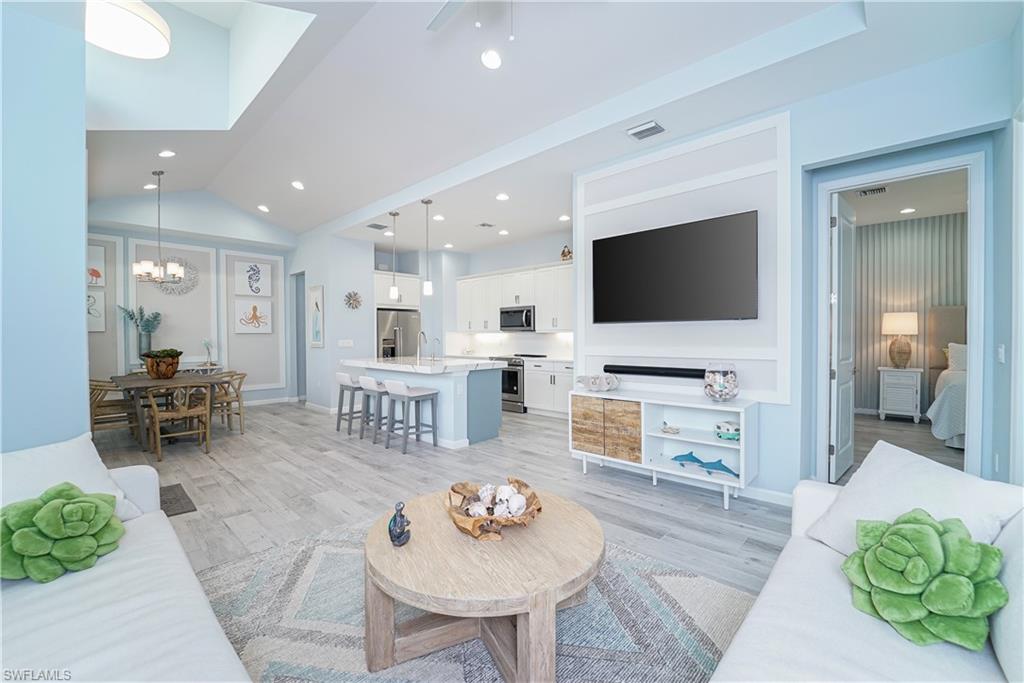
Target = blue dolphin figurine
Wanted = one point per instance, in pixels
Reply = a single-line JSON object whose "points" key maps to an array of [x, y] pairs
{"points": [[688, 458], [717, 466]]}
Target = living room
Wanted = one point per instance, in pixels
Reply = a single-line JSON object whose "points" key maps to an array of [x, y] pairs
{"points": [[538, 329]]}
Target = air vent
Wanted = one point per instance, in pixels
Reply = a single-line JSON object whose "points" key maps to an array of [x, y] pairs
{"points": [[485, 225], [646, 130], [872, 191], [377, 226]]}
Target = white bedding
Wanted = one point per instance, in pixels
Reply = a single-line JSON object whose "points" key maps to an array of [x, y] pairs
{"points": [[948, 411]]}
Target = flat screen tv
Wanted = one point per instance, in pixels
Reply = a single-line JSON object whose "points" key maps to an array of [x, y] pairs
{"points": [[705, 270]]}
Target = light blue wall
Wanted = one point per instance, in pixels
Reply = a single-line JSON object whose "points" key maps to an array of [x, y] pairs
{"points": [[44, 394], [535, 252], [998, 402]]}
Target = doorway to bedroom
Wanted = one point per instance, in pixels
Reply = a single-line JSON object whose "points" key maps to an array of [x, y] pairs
{"points": [[898, 333]]}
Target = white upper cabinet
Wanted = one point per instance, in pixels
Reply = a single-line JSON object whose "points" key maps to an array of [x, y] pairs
{"points": [[464, 290], [554, 299], [517, 289], [408, 290], [476, 304]]}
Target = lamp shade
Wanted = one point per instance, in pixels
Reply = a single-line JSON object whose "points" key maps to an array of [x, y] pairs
{"points": [[127, 27], [899, 323]]}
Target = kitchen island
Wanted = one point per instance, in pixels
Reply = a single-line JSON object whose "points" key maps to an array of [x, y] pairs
{"points": [[469, 392]]}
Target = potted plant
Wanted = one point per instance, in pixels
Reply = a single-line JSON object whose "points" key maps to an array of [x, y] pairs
{"points": [[145, 323], [162, 363]]}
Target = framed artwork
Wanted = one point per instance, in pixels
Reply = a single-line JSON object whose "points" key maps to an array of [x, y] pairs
{"points": [[96, 266], [253, 316], [253, 278], [96, 310], [315, 316]]}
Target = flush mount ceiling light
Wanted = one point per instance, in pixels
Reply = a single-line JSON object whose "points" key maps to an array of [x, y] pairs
{"points": [[158, 271], [501, 197], [127, 27], [297, 184], [449, 245], [393, 289], [165, 154], [907, 210], [564, 218], [263, 208], [428, 285], [503, 232], [438, 217], [490, 58]]}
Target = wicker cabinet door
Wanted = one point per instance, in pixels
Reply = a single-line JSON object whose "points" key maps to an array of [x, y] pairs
{"points": [[588, 424], [622, 434]]}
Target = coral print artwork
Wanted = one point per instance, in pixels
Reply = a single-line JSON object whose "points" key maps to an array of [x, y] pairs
{"points": [[252, 316], [253, 279]]}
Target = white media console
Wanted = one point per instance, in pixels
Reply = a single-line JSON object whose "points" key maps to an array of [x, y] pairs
{"points": [[625, 428]]}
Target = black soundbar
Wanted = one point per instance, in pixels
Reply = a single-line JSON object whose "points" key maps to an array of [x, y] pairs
{"points": [[655, 371]]}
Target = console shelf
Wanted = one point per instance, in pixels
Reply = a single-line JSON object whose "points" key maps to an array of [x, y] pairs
{"points": [[624, 428]]}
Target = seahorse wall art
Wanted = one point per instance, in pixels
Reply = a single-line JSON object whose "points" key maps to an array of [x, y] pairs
{"points": [[254, 274]]}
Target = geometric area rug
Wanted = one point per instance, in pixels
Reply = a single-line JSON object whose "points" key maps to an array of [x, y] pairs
{"points": [[295, 612]]}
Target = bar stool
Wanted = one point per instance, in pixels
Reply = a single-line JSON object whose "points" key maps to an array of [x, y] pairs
{"points": [[346, 383], [372, 391], [399, 392]]}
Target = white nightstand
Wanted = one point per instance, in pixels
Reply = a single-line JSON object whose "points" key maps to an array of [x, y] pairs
{"points": [[899, 392]]}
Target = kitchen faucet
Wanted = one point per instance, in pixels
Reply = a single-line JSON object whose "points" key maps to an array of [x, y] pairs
{"points": [[422, 335]]}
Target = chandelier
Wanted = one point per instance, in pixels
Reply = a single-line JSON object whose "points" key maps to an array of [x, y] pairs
{"points": [[159, 271]]}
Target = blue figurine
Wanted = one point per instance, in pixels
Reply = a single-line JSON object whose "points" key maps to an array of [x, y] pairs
{"points": [[688, 459], [717, 466], [398, 526]]}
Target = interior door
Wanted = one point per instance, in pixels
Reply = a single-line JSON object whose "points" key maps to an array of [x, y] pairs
{"points": [[842, 236]]}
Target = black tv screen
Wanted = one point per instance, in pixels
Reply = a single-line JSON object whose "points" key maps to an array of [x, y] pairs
{"points": [[705, 270]]}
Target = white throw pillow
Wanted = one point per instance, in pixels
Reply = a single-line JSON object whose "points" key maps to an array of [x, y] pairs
{"points": [[957, 356], [29, 472], [1008, 623], [893, 480]]}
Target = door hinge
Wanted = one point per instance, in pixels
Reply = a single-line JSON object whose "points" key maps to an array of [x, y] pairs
{"points": [[833, 222], [831, 449], [832, 373]]}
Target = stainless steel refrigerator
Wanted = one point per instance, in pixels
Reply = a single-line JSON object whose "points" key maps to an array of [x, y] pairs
{"points": [[397, 332]]}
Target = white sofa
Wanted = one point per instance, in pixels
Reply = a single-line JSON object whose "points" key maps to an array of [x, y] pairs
{"points": [[140, 614], [803, 627]]}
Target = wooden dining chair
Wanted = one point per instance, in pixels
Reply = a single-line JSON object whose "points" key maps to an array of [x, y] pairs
{"points": [[109, 413], [187, 405], [227, 400]]}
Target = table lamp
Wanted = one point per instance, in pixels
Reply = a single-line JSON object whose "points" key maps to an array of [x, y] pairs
{"points": [[899, 324]]}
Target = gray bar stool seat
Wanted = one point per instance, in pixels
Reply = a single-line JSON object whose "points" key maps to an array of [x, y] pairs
{"points": [[347, 383], [373, 404], [400, 393]]}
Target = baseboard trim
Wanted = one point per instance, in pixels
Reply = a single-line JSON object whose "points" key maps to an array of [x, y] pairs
{"points": [[547, 413], [268, 401], [317, 408]]}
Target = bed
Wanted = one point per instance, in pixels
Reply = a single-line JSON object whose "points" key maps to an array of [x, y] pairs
{"points": [[948, 411]]}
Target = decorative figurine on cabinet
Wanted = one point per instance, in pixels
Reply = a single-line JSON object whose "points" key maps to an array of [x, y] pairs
{"points": [[728, 430], [398, 526], [566, 254]]}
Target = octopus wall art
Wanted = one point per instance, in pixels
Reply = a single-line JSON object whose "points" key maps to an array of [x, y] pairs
{"points": [[253, 316]]}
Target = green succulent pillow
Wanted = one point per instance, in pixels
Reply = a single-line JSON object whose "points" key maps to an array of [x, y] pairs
{"points": [[61, 530], [928, 579]]}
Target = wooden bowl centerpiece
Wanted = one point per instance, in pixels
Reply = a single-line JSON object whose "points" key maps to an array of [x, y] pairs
{"points": [[482, 511], [162, 364]]}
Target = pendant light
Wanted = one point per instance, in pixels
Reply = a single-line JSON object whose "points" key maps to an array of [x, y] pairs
{"points": [[393, 289], [428, 286], [160, 271]]}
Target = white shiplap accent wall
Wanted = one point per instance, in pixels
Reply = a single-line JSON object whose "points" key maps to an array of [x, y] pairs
{"points": [[908, 265]]}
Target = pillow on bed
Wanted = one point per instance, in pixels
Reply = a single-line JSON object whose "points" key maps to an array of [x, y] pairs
{"points": [[892, 480], [957, 356]]}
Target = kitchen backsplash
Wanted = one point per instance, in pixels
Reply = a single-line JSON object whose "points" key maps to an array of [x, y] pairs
{"points": [[558, 345]]}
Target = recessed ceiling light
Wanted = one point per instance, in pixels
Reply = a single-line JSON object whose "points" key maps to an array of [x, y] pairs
{"points": [[908, 210], [166, 154], [438, 217], [449, 245], [564, 218], [297, 184], [263, 208], [501, 197], [491, 59], [149, 186], [503, 232], [130, 29], [388, 233]]}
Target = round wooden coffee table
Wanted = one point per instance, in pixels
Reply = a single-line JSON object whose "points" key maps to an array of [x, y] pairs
{"points": [[504, 592]]}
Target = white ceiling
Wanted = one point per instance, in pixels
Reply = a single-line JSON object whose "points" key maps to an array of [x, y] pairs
{"points": [[937, 194], [224, 14]]}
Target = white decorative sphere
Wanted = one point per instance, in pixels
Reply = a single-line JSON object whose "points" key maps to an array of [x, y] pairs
{"points": [[517, 504], [505, 492]]}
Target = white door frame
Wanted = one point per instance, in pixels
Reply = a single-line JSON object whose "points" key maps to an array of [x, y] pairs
{"points": [[974, 163]]}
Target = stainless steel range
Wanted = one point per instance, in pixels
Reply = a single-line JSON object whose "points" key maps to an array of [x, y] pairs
{"points": [[512, 385]]}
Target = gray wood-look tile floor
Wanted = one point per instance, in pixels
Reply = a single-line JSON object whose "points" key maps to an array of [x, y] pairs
{"points": [[902, 432], [291, 475]]}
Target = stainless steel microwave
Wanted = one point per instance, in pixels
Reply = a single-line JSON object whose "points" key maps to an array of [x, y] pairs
{"points": [[516, 319]]}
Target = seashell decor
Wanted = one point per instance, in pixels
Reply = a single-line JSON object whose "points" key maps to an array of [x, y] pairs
{"points": [[602, 382], [482, 511]]}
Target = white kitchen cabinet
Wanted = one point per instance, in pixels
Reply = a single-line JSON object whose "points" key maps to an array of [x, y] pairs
{"points": [[477, 301], [538, 391], [547, 385], [517, 289], [408, 290], [553, 289], [464, 305], [562, 386]]}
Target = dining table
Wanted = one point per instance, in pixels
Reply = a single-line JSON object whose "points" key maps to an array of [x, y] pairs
{"points": [[135, 385]]}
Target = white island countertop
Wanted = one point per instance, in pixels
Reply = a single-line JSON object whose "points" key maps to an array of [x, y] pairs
{"points": [[425, 366]]}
